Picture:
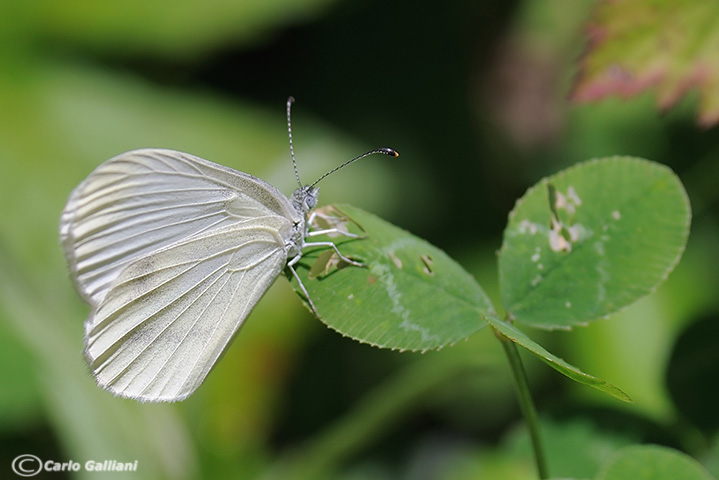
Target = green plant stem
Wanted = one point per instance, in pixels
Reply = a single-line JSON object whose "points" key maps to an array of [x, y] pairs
{"points": [[525, 402]]}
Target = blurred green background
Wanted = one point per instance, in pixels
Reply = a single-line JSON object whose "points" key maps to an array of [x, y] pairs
{"points": [[474, 96]]}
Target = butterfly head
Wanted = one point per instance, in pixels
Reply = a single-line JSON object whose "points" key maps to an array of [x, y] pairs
{"points": [[304, 198]]}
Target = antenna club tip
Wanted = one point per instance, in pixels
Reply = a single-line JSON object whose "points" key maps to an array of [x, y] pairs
{"points": [[389, 151], [290, 100]]}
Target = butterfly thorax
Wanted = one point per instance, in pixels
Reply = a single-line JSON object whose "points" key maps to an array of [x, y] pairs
{"points": [[303, 200]]}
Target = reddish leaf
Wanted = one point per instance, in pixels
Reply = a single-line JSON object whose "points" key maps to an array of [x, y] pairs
{"points": [[638, 44]]}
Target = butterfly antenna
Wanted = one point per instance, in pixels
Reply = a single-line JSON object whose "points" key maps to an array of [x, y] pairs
{"points": [[290, 101], [384, 150]]}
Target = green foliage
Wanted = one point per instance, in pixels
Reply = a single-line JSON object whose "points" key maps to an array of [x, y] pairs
{"points": [[410, 296], [579, 245], [510, 332], [575, 448], [652, 462], [591, 240], [174, 29]]}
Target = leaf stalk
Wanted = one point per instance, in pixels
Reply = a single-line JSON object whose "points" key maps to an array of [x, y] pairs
{"points": [[526, 405]]}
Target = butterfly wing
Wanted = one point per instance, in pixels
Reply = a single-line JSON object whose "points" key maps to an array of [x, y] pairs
{"points": [[144, 200], [171, 252], [170, 315]]}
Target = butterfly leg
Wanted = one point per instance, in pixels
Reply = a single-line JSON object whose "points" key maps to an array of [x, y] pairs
{"points": [[291, 266], [342, 257], [336, 224], [331, 231]]}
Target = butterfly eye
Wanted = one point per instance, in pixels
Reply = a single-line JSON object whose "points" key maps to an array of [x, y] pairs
{"points": [[311, 198]]}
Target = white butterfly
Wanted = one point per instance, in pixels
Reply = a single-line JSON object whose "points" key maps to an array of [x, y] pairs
{"points": [[172, 252]]}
